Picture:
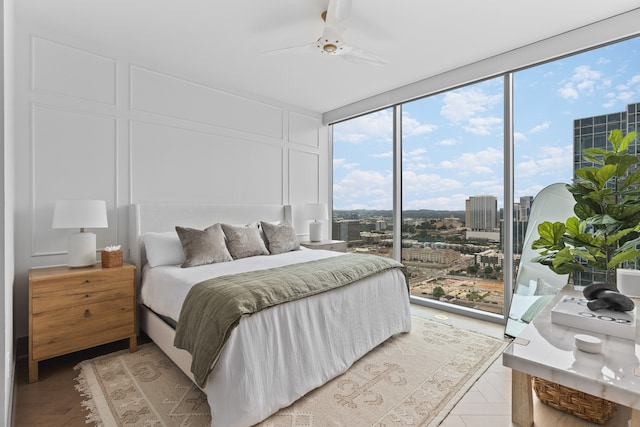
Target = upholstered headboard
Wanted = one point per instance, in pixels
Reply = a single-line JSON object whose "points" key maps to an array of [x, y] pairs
{"points": [[159, 217]]}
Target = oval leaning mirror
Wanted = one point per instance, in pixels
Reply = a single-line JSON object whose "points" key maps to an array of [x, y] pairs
{"points": [[536, 284]]}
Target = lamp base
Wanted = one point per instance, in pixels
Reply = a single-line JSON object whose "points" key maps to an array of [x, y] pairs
{"points": [[315, 231], [82, 249]]}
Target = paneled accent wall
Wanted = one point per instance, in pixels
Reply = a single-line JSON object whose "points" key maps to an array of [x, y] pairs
{"points": [[92, 124]]}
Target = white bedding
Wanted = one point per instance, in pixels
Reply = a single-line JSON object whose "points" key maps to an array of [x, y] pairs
{"points": [[276, 356], [171, 283]]}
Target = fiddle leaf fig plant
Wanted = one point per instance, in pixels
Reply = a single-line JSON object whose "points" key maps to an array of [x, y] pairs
{"points": [[606, 229]]}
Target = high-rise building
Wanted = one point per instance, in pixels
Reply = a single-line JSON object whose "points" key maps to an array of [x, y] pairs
{"points": [[482, 213], [592, 132], [521, 212], [347, 230]]}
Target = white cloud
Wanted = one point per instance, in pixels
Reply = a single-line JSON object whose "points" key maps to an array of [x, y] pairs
{"points": [[463, 104], [423, 183], [519, 136], [412, 127], [583, 82], [447, 142], [540, 127], [480, 162], [385, 155], [342, 164], [483, 125], [626, 97], [548, 161], [376, 126], [568, 92], [472, 109], [418, 152], [364, 189]]}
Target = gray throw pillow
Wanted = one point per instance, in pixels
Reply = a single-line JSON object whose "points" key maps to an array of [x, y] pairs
{"points": [[280, 237], [244, 241], [203, 246]]}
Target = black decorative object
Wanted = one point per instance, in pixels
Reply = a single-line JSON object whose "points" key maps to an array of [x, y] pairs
{"points": [[604, 296]]}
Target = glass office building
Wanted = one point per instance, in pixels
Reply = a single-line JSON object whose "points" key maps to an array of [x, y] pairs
{"points": [[590, 132]]}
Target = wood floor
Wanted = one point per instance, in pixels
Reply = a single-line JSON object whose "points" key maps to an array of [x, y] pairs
{"points": [[54, 402]]}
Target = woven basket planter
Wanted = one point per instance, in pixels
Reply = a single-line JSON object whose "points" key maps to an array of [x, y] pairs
{"points": [[574, 402]]}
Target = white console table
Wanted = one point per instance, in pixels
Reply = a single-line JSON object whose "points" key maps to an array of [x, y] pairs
{"points": [[547, 351]]}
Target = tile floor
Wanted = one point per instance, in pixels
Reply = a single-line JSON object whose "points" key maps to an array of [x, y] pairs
{"points": [[488, 402]]}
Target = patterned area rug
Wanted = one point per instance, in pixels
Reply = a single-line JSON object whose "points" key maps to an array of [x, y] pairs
{"points": [[411, 379]]}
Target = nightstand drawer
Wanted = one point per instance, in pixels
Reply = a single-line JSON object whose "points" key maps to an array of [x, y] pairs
{"points": [[96, 280], [62, 331], [80, 295]]}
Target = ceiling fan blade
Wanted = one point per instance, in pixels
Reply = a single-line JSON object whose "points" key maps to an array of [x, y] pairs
{"points": [[354, 54], [305, 48], [338, 13]]}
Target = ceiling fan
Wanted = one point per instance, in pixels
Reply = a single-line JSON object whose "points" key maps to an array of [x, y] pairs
{"points": [[331, 42]]}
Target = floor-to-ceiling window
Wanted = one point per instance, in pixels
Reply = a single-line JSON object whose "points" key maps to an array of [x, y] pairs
{"points": [[452, 191], [453, 174], [363, 183], [567, 105]]}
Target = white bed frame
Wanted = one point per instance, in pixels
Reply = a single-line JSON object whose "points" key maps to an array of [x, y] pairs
{"points": [[161, 217]]}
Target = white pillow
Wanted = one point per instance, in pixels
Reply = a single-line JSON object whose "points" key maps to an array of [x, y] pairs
{"points": [[163, 248]]}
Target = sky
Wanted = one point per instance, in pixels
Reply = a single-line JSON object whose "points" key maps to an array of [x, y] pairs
{"points": [[453, 142]]}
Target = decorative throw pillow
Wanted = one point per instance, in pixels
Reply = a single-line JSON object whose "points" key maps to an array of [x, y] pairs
{"points": [[203, 246], [163, 248], [545, 288], [280, 237], [244, 241]]}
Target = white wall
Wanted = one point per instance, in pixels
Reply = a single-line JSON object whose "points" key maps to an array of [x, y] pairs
{"points": [[93, 123], [7, 349]]}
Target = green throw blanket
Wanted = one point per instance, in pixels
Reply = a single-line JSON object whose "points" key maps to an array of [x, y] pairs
{"points": [[213, 308]]}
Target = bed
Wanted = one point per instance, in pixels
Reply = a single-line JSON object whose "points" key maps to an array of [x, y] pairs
{"points": [[277, 355]]}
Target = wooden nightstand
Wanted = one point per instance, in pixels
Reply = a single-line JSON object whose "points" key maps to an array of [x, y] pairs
{"points": [[72, 309], [329, 245]]}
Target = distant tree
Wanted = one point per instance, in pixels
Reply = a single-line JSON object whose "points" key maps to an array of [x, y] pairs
{"points": [[408, 228], [472, 269], [488, 270], [472, 296], [438, 292]]}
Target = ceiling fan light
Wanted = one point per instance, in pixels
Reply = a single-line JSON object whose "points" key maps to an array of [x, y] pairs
{"points": [[329, 48]]}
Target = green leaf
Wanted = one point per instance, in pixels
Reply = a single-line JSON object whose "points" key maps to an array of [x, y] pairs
{"points": [[550, 236]]}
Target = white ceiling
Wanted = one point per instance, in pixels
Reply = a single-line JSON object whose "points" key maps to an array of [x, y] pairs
{"points": [[222, 43]]}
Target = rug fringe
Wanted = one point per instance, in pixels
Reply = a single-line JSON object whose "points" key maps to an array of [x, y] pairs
{"points": [[85, 391]]}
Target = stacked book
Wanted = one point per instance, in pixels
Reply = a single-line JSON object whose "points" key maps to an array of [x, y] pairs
{"points": [[573, 312]]}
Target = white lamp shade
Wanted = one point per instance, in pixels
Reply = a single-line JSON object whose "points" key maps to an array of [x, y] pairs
{"points": [[316, 211], [80, 214]]}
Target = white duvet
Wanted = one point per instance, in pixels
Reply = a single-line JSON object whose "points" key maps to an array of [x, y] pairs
{"points": [[276, 356]]}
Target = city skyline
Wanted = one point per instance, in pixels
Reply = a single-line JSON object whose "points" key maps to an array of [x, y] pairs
{"points": [[453, 142]]}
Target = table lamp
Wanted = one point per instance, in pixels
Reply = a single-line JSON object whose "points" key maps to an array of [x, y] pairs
{"points": [[315, 211], [81, 214]]}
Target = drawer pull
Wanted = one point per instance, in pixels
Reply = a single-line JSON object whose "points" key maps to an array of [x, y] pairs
{"points": [[87, 281], [87, 296], [87, 313]]}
